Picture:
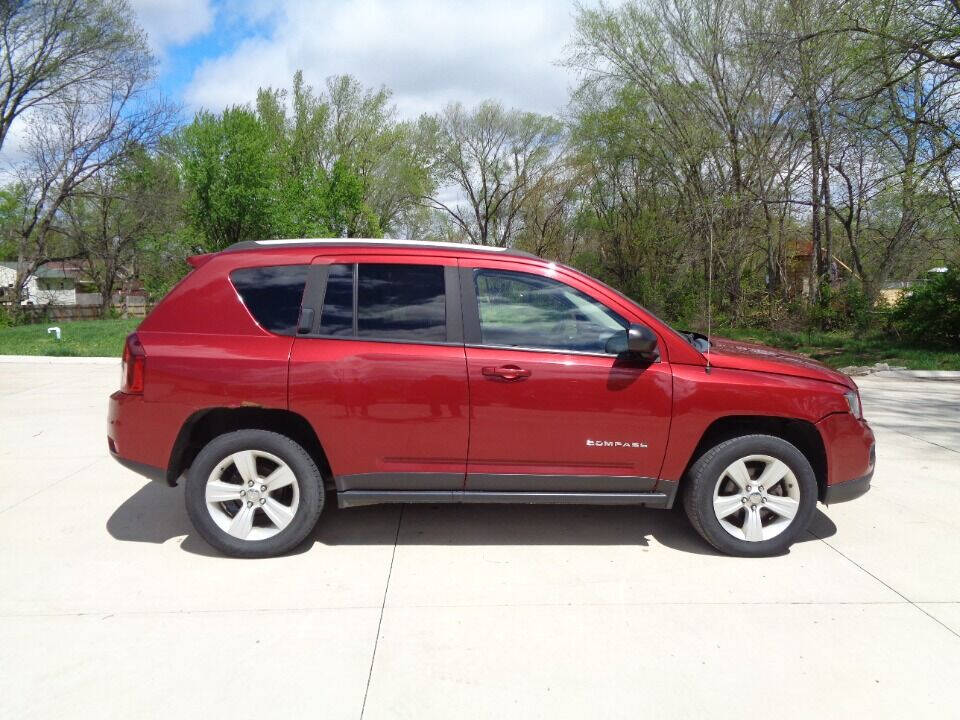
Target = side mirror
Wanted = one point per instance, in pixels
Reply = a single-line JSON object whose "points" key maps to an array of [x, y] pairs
{"points": [[641, 341], [638, 341]]}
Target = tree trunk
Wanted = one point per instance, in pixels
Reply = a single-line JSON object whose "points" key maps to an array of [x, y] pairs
{"points": [[827, 201], [106, 299], [815, 192]]}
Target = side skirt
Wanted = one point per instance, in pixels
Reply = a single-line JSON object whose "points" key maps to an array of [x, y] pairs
{"points": [[356, 498]]}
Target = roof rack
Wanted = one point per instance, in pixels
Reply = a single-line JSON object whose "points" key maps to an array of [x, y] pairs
{"points": [[372, 242]]}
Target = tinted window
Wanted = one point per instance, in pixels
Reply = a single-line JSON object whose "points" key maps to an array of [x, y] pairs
{"points": [[530, 311], [401, 302], [272, 295], [336, 318]]}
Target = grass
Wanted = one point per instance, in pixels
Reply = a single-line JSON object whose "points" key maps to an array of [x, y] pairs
{"points": [[840, 349], [83, 338], [836, 349]]}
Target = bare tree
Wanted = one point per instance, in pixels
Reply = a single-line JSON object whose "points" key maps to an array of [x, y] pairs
{"points": [[491, 160], [68, 145], [52, 48], [549, 226], [716, 110]]}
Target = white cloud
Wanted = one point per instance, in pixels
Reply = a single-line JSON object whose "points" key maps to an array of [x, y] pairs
{"points": [[14, 152], [173, 22], [428, 53]]}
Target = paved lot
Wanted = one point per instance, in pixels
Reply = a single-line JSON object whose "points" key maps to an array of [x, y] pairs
{"points": [[112, 607]]}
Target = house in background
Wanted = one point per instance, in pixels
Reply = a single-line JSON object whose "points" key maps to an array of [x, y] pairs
{"points": [[799, 259], [52, 283], [62, 290], [893, 291]]}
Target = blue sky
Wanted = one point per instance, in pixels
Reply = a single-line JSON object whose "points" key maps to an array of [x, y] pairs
{"points": [[215, 53]]}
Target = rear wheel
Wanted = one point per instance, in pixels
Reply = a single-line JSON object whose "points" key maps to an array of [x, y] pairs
{"points": [[751, 496], [254, 493]]}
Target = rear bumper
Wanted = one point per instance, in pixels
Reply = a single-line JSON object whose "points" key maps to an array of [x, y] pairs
{"points": [[135, 436], [849, 490]]}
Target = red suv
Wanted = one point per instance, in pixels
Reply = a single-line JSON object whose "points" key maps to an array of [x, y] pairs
{"points": [[413, 372]]}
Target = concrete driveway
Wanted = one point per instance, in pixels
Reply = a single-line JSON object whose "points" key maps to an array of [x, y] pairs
{"points": [[113, 608]]}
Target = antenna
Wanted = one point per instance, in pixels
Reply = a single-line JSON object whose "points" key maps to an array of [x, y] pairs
{"points": [[710, 288]]}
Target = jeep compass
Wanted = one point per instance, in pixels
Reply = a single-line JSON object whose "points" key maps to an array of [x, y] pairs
{"points": [[280, 374]]}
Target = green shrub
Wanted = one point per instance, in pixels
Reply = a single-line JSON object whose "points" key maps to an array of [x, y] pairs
{"points": [[930, 312], [841, 308]]}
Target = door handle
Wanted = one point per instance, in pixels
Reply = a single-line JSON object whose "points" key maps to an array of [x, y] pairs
{"points": [[506, 372]]}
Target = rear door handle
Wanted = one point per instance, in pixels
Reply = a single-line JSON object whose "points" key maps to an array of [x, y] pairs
{"points": [[506, 372]]}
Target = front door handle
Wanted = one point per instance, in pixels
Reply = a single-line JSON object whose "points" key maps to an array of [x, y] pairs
{"points": [[506, 372]]}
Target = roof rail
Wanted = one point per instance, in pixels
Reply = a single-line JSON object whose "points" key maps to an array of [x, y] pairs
{"points": [[371, 242]]}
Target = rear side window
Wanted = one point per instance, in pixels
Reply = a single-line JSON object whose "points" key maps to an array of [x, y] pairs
{"points": [[401, 302], [336, 318], [272, 295], [392, 302]]}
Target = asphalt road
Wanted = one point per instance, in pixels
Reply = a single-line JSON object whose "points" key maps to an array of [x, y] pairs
{"points": [[112, 607]]}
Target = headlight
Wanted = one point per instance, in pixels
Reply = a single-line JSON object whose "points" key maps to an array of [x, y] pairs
{"points": [[853, 401]]}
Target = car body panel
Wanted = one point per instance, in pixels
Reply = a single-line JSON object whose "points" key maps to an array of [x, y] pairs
{"points": [[741, 355], [576, 415], [382, 408], [700, 398]]}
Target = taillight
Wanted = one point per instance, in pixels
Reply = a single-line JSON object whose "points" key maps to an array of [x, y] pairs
{"points": [[134, 365]]}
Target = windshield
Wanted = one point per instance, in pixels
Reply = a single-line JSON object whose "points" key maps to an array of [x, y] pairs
{"points": [[697, 340]]}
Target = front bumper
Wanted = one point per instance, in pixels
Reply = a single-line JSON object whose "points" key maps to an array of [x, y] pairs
{"points": [[849, 490], [851, 456]]}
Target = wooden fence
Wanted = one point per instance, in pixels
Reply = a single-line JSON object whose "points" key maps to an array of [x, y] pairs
{"points": [[44, 313]]}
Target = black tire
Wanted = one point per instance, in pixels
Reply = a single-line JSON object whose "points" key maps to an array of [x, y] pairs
{"points": [[707, 470], [308, 479]]}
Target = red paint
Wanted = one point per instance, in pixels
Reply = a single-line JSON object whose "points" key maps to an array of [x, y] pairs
{"points": [[383, 407], [540, 425], [751, 356], [389, 407], [848, 442]]}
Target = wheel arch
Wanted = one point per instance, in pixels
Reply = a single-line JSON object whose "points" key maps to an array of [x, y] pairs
{"points": [[204, 425], [800, 433]]}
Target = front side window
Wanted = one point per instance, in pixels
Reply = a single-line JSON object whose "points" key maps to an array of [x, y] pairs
{"points": [[529, 311], [392, 302], [272, 295]]}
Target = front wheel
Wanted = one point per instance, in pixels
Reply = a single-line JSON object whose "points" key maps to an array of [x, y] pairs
{"points": [[751, 496], [254, 493]]}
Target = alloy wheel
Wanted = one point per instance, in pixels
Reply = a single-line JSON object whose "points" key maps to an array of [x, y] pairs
{"points": [[252, 495], [756, 498]]}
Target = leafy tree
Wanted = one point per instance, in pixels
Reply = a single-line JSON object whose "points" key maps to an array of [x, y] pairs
{"points": [[317, 197], [231, 176], [348, 166]]}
